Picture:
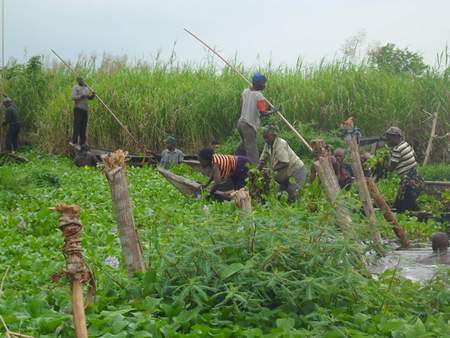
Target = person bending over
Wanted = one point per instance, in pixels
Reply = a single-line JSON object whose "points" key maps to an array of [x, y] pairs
{"points": [[227, 171], [289, 170]]}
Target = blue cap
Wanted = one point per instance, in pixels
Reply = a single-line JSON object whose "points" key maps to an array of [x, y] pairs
{"points": [[258, 78]]}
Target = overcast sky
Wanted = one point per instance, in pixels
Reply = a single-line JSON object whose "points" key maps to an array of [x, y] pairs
{"points": [[257, 31]]}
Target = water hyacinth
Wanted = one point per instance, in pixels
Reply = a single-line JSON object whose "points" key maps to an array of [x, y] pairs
{"points": [[112, 261]]}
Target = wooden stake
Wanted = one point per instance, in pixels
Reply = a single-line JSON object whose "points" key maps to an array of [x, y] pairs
{"points": [[329, 182], [243, 200], [291, 127], [76, 270], [364, 194], [430, 141], [129, 238], [387, 212]]}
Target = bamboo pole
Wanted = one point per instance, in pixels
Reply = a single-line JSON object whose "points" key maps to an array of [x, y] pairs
{"points": [[76, 269], [291, 127], [129, 237], [430, 141], [124, 127], [364, 194], [387, 212]]}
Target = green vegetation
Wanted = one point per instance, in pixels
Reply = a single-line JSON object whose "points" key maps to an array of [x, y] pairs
{"points": [[200, 103], [302, 280]]}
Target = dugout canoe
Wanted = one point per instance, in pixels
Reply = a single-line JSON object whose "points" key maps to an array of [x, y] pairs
{"points": [[133, 159], [182, 184], [6, 158], [195, 164], [436, 187], [189, 187]]}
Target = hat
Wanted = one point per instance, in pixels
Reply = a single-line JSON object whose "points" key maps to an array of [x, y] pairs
{"points": [[271, 128], [258, 78], [394, 131], [171, 140]]}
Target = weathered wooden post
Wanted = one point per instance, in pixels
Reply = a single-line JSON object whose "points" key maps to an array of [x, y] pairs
{"points": [[129, 238], [76, 270], [430, 141], [243, 201], [387, 212], [328, 180], [349, 133]]}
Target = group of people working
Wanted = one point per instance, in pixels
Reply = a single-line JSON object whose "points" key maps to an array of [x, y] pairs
{"points": [[288, 169]]}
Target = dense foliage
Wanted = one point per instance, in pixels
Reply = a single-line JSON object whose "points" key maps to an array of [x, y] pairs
{"points": [[302, 279], [198, 103]]}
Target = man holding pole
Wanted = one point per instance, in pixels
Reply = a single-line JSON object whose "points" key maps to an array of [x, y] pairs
{"points": [[289, 170], [80, 95], [253, 106]]}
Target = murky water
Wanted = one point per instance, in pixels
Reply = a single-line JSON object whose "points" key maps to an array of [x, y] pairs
{"points": [[408, 263]]}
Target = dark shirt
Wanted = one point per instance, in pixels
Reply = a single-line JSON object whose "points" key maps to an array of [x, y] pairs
{"points": [[345, 174], [11, 115]]}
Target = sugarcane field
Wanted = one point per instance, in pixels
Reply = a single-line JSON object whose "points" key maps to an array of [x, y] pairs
{"points": [[240, 169]]}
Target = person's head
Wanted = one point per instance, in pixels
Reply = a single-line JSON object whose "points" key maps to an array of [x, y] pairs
{"points": [[259, 81], [7, 101], [84, 148], [205, 156], [393, 136], [171, 143], [439, 242], [270, 133], [213, 144], [365, 156], [80, 81], [339, 154]]}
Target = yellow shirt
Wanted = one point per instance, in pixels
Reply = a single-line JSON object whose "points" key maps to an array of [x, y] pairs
{"points": [[281, 152]]}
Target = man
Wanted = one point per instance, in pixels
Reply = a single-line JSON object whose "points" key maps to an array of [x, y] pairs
{"points": [[289, 170], [80, 96], [171, 155], [227, 171], [439, 244], [213, 145], [253, 106], [85, 157], [344, 171], [403, 161], [13, 123]]}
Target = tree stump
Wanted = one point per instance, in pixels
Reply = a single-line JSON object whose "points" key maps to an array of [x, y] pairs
{"points": [[129, 238], [330, 183]]}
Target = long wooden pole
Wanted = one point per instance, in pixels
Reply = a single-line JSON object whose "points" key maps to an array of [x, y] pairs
{"points": [[104, 105], [246, 80]]}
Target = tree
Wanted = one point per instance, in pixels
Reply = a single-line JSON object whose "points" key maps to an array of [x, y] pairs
{"points": [[393, 59]]}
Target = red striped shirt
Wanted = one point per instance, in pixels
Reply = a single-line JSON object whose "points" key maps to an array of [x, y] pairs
{"points": [[226, 163]]}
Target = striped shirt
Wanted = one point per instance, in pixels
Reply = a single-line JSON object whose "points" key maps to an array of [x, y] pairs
{"points": [[225, 163], [404, 157]]}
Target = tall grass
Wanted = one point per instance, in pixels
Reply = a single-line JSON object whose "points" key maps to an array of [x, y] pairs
{"points": [[199, 103]]}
